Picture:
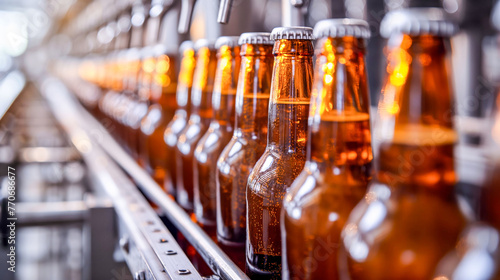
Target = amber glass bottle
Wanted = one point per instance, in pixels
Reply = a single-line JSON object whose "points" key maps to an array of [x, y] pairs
{"points": [[109, 100], [409, 219], [86, 70], [141, 67], [218, 134], [160, 113], [199, 120], [285, 152], [181, 117], [127, 110], [247, 144], [339, 154], [141, 102], [116, 77], [113, 103], [100, 78]]}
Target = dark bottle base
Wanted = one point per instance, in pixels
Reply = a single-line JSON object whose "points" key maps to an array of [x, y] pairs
{"points": [[264, 268]]}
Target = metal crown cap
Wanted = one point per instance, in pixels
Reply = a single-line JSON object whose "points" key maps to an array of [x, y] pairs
{"points": [[160, 49], [416, 21], [292, 33], [263, 38], [202, 43], [147, 52], [229, 41], [132, 54], [186, 45], [342, 27]]}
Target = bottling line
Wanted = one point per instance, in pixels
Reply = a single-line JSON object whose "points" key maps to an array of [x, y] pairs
{"points": [[91, 91]]}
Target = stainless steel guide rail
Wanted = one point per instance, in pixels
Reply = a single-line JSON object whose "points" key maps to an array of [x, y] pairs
{"points": [[86, 133], [150, 251]]}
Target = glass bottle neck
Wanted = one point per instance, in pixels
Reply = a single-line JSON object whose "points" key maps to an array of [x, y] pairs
{"points": [[203, 81], [290, 95], [185, 82], [133, 74], [414, 133], [146, 78], [339, 117], [252, 101], [164, 80], [226, 81]]}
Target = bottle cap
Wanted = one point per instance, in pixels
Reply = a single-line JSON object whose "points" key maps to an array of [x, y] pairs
{"points": [[146, 52], [417, 21], [186, 45], [342, 27], [132, 54], [263, 38], [229, 41], [204, 43], [160, 49], [292, 33]]}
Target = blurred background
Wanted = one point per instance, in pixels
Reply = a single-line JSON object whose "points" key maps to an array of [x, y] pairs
{"points": [[72, 240]]}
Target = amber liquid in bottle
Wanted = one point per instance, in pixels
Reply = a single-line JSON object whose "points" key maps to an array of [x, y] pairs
{"points": [[180, 119], [113, 101], [111, 123], [283, 158], [338, 166], [409, 218], [135, 107], [201, 115], [102, 107], [244, 149], [144, 99], [160, 113], [216, 138]]}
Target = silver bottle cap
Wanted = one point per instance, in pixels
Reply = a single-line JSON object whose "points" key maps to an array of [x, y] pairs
{"points": [[417, 21], [292, 33], [159, 49], [229, 41], [147, 52], [263, 38], [204, 43], [342, 27], [186, 45]]}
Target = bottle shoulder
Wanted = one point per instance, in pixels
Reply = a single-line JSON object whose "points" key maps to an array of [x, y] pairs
{"points": [[274, 171], [240, 154], [153, 120], [315, 191], [210, 141], [233, 151], [177, 124], [190, 136], [385, 215], [174, 130]]}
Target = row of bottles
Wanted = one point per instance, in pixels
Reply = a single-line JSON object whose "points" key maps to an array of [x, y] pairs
{"points": [[274, 160], [339, 154]]}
